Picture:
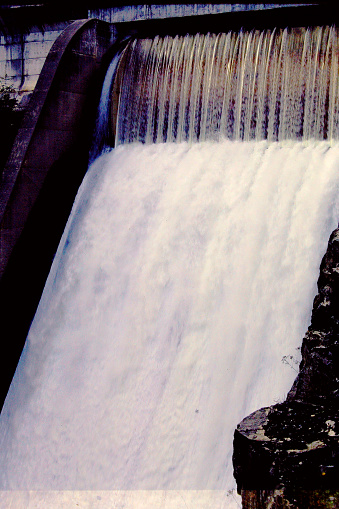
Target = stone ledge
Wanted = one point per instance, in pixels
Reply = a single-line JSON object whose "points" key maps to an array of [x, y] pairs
{"points": [[290, 444]]}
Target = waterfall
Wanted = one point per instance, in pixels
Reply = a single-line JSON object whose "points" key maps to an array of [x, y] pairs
{"points": [[275, 85], [102, 134], [187, 269]]}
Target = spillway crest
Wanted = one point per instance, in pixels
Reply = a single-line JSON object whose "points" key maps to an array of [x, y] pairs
{"points": [[187, 269], [273, 84]]}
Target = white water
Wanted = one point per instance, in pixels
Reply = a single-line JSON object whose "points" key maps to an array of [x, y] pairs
{"points": [[184, 275]]}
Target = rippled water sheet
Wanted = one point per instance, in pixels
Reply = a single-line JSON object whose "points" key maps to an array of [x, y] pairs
{"points": [[259, 84]]}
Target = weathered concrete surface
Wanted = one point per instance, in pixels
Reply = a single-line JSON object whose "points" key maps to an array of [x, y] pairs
{"points": [[43, 173], [295, 445], [119, 13], [60, 111], [22, 56]]}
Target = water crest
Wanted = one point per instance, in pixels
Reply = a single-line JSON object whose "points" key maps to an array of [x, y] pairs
{"points": [[271, 84]]}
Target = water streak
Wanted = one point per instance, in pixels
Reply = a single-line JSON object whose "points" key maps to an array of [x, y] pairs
{"points": [[102, 132], [272, 84]]}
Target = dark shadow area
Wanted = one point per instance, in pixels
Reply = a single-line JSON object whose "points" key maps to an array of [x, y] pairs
{"points": [[24, 279], [23, 282], [10, 118]]}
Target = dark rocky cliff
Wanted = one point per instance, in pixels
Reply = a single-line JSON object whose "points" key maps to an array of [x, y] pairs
{"points": [[292, 448]]}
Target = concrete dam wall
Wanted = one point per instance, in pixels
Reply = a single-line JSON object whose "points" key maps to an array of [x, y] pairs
{"points": [[27, 34]]}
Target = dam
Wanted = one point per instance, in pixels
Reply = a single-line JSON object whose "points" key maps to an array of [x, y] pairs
{"points": [[187, 268]]}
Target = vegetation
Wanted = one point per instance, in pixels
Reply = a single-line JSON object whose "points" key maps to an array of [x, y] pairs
{"points": [[10, 116], [7, 99]]}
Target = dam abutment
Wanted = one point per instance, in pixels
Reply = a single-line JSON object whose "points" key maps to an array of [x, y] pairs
{"points": [[48, 161]]}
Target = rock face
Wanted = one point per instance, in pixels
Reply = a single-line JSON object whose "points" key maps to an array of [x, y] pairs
{"points": [[318, 379], [294, 445]]}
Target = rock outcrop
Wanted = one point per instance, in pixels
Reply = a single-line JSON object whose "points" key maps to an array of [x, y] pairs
{"points": [[293, 446]]}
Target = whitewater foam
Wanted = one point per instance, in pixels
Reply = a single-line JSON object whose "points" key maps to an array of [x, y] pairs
{"points": [[185, 274]]}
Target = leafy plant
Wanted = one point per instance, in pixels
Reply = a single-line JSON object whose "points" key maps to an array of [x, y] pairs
{"points": [[10, 117], [8, 101], [290, 361]]}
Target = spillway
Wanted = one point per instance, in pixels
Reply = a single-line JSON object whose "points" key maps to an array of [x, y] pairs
{"points": [[273, 84], [184, 277]]}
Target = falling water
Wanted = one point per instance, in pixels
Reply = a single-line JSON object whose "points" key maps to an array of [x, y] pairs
{"points": [[275, 85], [186, 271], [102, 130]]}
